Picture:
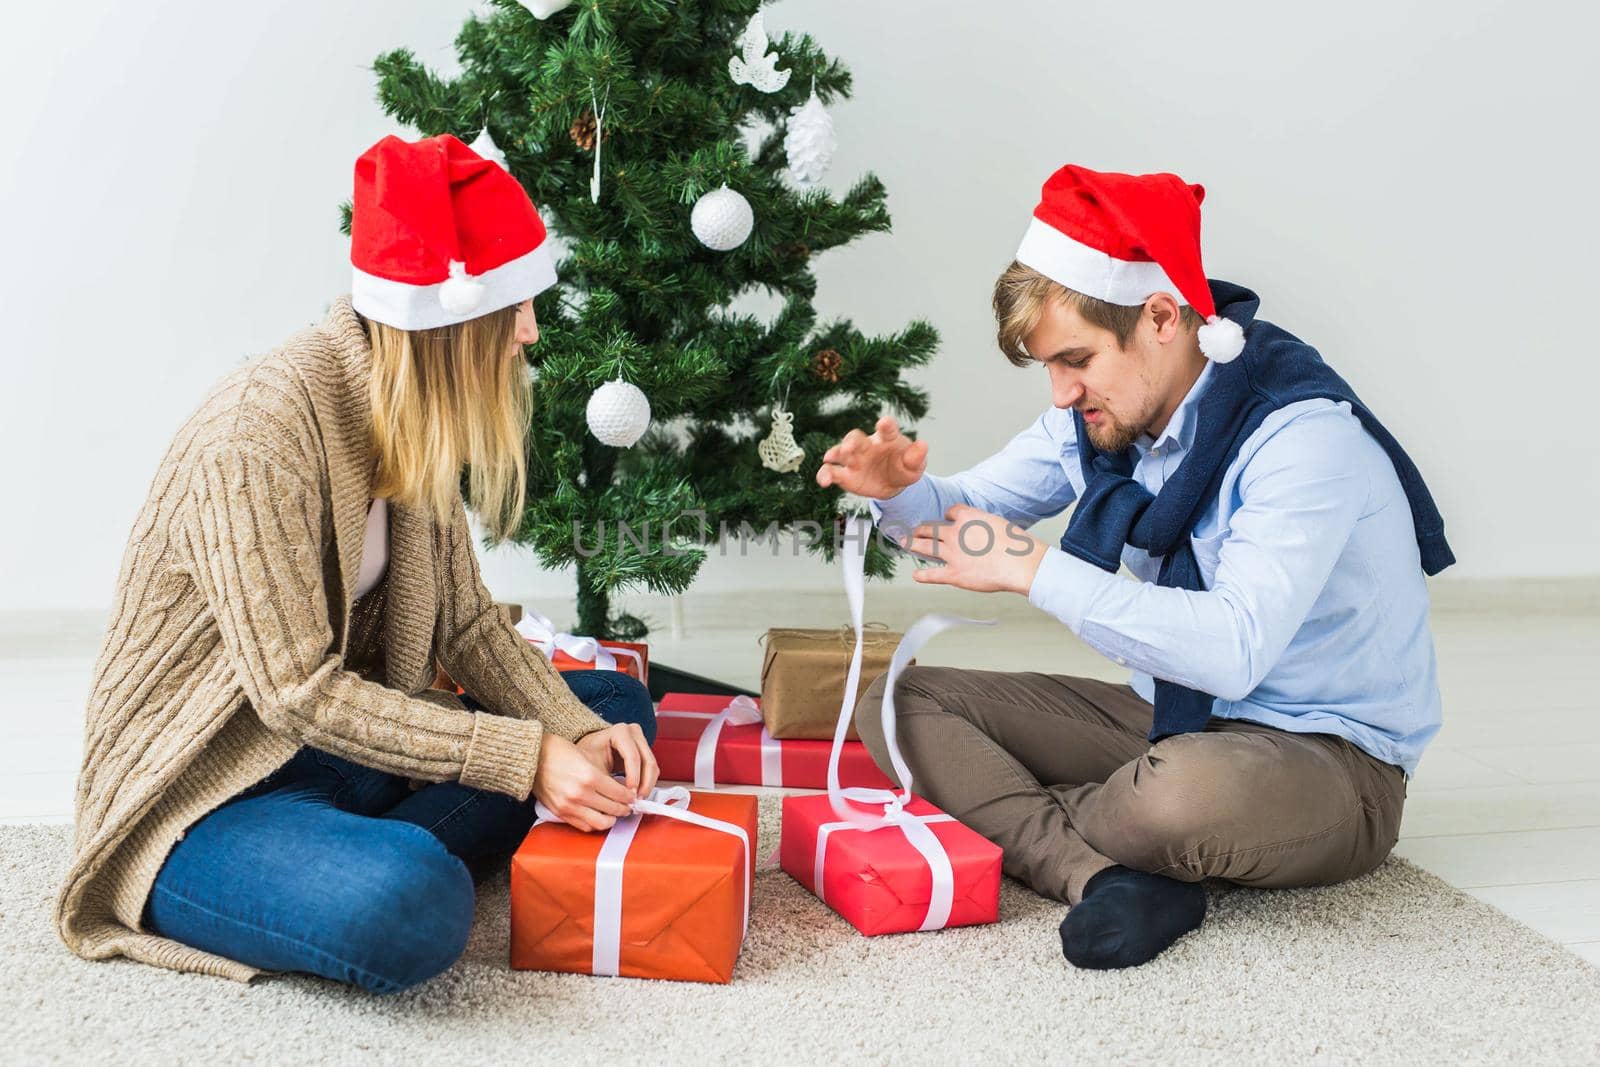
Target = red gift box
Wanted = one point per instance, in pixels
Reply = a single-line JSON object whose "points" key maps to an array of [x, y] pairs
{"points": [[570, 652], [663, 894], [742, 752], [633, 659], [889, 862], [879, 879]]}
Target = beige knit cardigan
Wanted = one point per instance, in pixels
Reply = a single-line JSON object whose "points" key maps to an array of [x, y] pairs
{"points": [[229, 645]]}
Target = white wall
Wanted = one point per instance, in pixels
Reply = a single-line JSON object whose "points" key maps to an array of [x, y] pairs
{"points": [[1406, 184]]}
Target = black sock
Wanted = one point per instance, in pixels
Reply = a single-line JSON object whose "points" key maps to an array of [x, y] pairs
{"points": [[1128, 917]]}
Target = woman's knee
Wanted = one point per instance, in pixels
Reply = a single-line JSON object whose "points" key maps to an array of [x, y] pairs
{"points": [[408, 916], [629, 702]]}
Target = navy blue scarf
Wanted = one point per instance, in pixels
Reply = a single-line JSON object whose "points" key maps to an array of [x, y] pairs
{"points": [[1274, 370]]}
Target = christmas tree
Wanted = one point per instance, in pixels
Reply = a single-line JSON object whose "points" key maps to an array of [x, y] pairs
{"points": [[618, 117]]}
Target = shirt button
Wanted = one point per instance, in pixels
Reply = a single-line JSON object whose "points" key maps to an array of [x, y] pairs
{"points": [[1121, 662], [1155, 451]]}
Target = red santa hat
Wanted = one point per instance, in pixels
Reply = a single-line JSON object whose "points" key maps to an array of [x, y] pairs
{"points": [[440, 235], [1122, 237]]}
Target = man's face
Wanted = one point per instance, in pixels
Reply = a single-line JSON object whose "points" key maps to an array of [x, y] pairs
{"points": [[1114, 387]]}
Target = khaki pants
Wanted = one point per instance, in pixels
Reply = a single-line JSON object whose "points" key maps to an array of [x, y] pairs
{"points": [[1059, 773]]}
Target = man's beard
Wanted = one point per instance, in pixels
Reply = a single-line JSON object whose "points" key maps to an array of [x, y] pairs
{"points": [[1111, 435]]}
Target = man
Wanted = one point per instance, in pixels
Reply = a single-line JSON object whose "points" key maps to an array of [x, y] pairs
{"points": [[1283, 671]]}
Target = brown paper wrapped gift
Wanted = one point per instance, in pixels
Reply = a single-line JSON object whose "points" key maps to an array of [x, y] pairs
{"points": [[802, 677]]}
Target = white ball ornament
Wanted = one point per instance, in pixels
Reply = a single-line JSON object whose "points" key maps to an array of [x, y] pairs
{"points": [[722, 219], [618, 413]]}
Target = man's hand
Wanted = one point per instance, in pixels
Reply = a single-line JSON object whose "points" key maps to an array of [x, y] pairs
{"points": [[624, 744], [878, 466], [578, 792], [981, 552]]}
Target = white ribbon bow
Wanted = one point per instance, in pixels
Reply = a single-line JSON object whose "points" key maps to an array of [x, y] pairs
{"points": [[542, 632], [741, 711], [672, 802], [915, 827], [892, 804]]}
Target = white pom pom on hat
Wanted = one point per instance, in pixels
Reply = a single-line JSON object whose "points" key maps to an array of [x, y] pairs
{"points": [[460, 294], [1221, 340], [1122, 237]]}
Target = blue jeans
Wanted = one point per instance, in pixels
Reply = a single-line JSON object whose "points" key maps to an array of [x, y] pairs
{"points": [[346, 872]]}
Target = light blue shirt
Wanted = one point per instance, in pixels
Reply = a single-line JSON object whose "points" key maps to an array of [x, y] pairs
{"points": [[1314, 616]]}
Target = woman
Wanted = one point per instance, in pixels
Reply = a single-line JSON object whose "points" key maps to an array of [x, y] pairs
{"points": [[267, 782]]}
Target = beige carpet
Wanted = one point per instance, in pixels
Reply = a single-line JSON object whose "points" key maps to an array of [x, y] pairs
{"points": [[1394, 968]]}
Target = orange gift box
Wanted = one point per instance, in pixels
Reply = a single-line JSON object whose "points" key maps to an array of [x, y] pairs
{"points": [[667, 897], [626, 664], [634, 666]]}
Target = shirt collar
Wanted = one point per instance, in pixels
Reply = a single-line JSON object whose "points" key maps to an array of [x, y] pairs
{"points": [[1178, 436]]}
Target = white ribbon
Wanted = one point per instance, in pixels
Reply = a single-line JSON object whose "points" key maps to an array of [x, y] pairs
{"points": [[542, 632], [892, 805], [741, 711], [915, 827], [607, 954]]}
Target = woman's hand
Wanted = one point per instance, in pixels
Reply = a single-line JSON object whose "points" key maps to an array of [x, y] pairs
{"points": [[878, 466], [575, 789], [623, 743]]}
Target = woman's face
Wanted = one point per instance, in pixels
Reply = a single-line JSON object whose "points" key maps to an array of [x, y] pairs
{"points": [[527, 331]]}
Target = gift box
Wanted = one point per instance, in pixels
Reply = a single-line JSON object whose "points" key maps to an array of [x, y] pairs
{"points": [[655, 897], [567, 653], [803, 675], [924, 871], [711, 740], [888, 861], [630, 657]]}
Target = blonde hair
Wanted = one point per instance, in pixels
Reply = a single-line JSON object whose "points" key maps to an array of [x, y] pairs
{"points": [[1021, 294], [447, 397]]}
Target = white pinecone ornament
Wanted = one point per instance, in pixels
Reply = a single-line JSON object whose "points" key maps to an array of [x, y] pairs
{"points": [[809, 142], [778, 450], [722, 219], [484, 145], [618, 413], [543, 9]]}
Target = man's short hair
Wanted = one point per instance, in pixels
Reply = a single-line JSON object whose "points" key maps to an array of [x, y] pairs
{"points": [[1022, 293]]}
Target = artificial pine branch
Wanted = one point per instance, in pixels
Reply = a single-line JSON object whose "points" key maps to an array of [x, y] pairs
{"points": [[638, 292]]}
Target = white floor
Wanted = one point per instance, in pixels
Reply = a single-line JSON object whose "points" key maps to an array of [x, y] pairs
{"points": [[1506, 804]]}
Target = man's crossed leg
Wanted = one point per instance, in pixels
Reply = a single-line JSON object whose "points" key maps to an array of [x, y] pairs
{"points": [[1059, 773]]}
